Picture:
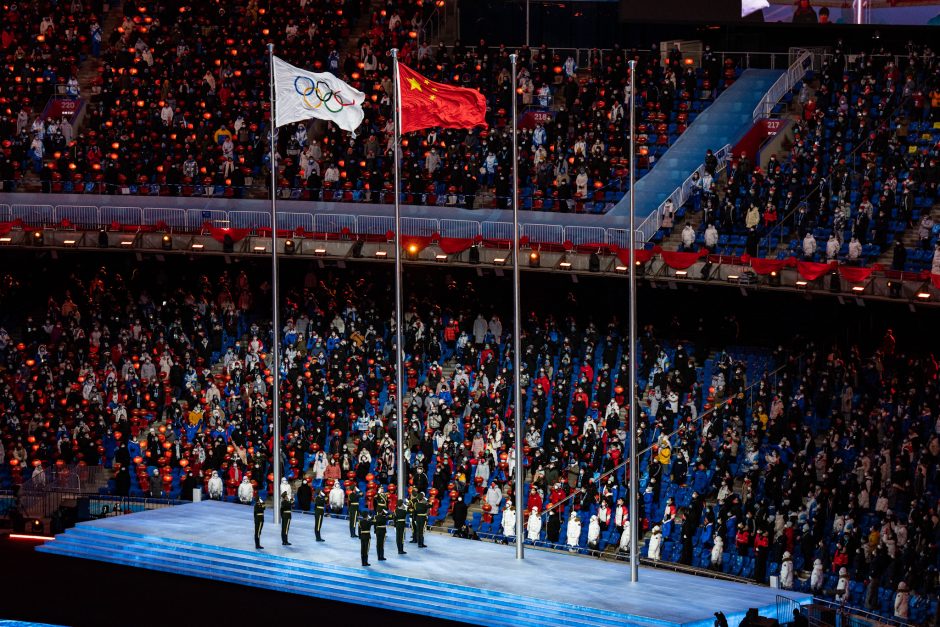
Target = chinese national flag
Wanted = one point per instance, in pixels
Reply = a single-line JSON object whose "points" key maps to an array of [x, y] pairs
{"points": [[425, 104]]}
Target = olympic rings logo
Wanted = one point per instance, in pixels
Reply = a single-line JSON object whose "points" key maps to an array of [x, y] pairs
{"points": [[323, 93]]}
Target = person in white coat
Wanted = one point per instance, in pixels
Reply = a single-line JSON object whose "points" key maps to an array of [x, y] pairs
{"points": [[717, 549], [711, 237], [786, 571], [624, 546], [902, 601], [534, 525], [688, 237], [573, 534], [842, 587], [817, 576], [832, 247], [285, 487], [246, 492], [935, 265], [656, 544], [337, 497], [509, 521], [855, 250], [594, 533], [809, 246], [215, 486]]}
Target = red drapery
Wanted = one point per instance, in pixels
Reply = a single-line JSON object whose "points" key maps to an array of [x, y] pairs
{"points": [[641, 255], [766, 266], [855, 274], [812, 271], [415, 243], [219, 234], [454, 245], [681, 261]]}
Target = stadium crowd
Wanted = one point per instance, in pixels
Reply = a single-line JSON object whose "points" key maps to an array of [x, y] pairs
{"points": [[817, 466], [179, 106], [863, 166]]}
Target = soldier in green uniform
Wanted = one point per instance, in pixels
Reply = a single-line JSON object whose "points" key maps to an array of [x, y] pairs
{"points": [[353, 511], [412, 501], [381, 500], [421, 516], [381, 520], [401, 522], [319, 507], [259, 521], [365, 536], [285, 518]]}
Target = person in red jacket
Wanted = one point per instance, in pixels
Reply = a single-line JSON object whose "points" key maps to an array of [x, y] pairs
{"points": [[742, 540]]}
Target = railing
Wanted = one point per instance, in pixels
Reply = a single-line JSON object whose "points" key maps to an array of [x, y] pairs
{"points": [[679, 196], [90, 217], [102, 506], [846, 616], [785, 83], [613, 471]]}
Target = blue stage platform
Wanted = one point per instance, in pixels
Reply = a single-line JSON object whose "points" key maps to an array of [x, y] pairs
{"points": [[471, 582]]}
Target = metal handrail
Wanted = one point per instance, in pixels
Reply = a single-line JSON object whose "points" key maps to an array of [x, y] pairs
{"points": [[669, 436]]}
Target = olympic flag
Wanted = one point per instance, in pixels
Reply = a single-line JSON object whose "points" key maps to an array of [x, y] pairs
{"points": [[301, 95]]}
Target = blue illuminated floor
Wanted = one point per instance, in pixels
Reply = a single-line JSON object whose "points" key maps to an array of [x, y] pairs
{"points": [[475, 582]]}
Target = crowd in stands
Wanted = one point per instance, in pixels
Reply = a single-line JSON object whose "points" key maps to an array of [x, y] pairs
{"points": [[817, 466], [863, 166], [180, 106]]}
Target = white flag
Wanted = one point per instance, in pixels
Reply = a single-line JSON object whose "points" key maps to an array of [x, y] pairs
{"points": [[301, 95]]}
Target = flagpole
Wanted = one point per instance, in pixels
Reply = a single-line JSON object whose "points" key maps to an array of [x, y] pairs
{"points": [[399, 336], [517, 320], [631, 394], [275, 343]]}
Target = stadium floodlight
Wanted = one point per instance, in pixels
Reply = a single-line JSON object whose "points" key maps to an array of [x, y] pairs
{"points": [[381, 254], [681, 273], [166, 242], [290, 247], [534, 259], [38, 238], [441, 257], [319, 252]]}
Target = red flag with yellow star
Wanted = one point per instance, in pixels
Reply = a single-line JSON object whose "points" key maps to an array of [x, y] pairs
{"points": [[425, 104]]}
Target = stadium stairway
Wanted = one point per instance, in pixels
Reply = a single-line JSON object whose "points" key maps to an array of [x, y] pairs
{"points": [[88, 71], [724, 122], [910, 238], [450, 601]]}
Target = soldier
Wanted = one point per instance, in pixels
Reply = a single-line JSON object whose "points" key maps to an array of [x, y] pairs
{"points": [[319, 507], [285, 517], [401, 521], [259, 521], [365, 535], [414, 519], [381, 520], [353, 510], [421, 518], [381, 500]]}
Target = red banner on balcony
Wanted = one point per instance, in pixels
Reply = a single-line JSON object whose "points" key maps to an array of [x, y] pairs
{"points": [[766, 266], [641, 255], [855, 274], [454, 245], [681, 261], [812, 271], [219, 234]]}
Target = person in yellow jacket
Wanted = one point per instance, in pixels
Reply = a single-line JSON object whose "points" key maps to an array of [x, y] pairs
{"points": [[665, 452]]}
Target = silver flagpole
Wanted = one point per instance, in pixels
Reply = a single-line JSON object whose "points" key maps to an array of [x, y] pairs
{"points": [[275, 343], [517, 319], [399, 336], [634, 518]]}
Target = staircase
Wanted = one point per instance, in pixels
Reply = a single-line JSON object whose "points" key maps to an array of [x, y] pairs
{"points": [[909, 238], [88, 70], [358, 29], [122, 540]]}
